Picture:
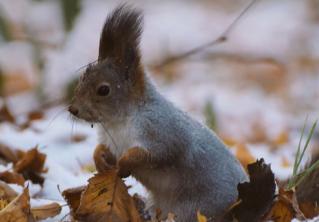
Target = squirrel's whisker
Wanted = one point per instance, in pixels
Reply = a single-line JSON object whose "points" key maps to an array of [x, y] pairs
{"points": [[59, 112]]}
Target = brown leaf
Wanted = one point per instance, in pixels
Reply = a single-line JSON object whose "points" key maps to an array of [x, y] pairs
{"points": [[106, 199], [31, 165], [283, 209], [307, 192], [31, 160], [255, 197], [35, 115], [6, 192], [3, 203], [6, 115], [77, 138], [12, 177], [8, 154], [73, 198], [309, 209], [18, 210], [45, 211]]}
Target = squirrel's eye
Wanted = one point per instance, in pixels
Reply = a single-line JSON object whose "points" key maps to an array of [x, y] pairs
{"points": [[103, 90]]}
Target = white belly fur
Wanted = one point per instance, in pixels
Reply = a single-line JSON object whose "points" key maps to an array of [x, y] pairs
{"points": [[118, 139]]}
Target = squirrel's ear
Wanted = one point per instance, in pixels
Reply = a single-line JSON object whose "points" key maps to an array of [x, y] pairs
{"points": [[120, 37]]}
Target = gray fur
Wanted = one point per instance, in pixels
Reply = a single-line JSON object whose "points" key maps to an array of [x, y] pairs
{"points": [[195, 170], [191, 168]]}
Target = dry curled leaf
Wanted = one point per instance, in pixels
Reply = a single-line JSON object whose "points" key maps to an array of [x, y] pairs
{"points": [[283, 209], [255, 197], [6, 115], [6, 192], [8, 154], [12, 177], [307, 193], [77, 138], [45, 211], [73, 198], [104, 199], [35, 115], [309, 209], [31, 165], [31, 160], [18, 210]]}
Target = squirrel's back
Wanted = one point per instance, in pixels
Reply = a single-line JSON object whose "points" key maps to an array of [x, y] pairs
{"points": [[196, 164]]}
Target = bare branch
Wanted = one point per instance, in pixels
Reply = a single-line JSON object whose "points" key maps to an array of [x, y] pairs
{"points": [[222, 38]]}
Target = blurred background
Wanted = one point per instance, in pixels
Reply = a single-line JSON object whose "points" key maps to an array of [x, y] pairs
{"points": [[255, 89]]}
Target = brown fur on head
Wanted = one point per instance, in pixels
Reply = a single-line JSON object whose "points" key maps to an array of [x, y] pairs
{"points": [[109, 89]]}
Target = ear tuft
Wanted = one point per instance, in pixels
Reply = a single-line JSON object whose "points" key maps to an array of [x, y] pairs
{"points": [[120, 36]]}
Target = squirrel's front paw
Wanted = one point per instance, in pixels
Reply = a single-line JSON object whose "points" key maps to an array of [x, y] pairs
{"points": [[130, 160], [103, 158]]}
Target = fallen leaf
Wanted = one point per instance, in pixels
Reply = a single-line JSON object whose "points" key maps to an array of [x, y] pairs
{"points": [[105, 199], [31, 160], [309, 209], [284, 162], [18, 210], [229, 141], [35, 115], [8, 154], [6, 115], [6, 192], [73, 198], [243, 155], [12, 177], [3, 203], [281, 139], [200, 217], [283, 210], [31, 165], [77, 138], [255, 197], [45, 211], [258, 133], [307, 192]]}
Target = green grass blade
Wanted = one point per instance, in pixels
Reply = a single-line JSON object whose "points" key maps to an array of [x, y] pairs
{"points": [[307, 143], [294, 172]]}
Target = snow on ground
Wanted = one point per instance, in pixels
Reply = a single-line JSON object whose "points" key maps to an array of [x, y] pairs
{"points": [[226, 77]]}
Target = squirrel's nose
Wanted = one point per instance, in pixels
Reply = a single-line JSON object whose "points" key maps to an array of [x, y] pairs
{"points": [[73, 110]]}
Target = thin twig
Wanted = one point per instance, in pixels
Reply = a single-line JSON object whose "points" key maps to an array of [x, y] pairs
{"points": [[222, 38]]}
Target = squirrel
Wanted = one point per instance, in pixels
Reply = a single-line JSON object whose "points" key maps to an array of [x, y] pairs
{"points": [[182, 163]]}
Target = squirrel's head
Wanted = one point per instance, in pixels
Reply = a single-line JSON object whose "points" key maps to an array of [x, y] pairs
{"points": [[110, 88]]}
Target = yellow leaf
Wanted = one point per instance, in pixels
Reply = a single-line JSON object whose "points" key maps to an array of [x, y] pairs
{"points": [[244, 156], [200, 217], [18, 210], [105, 199], [3, 203], [283, 209]]}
